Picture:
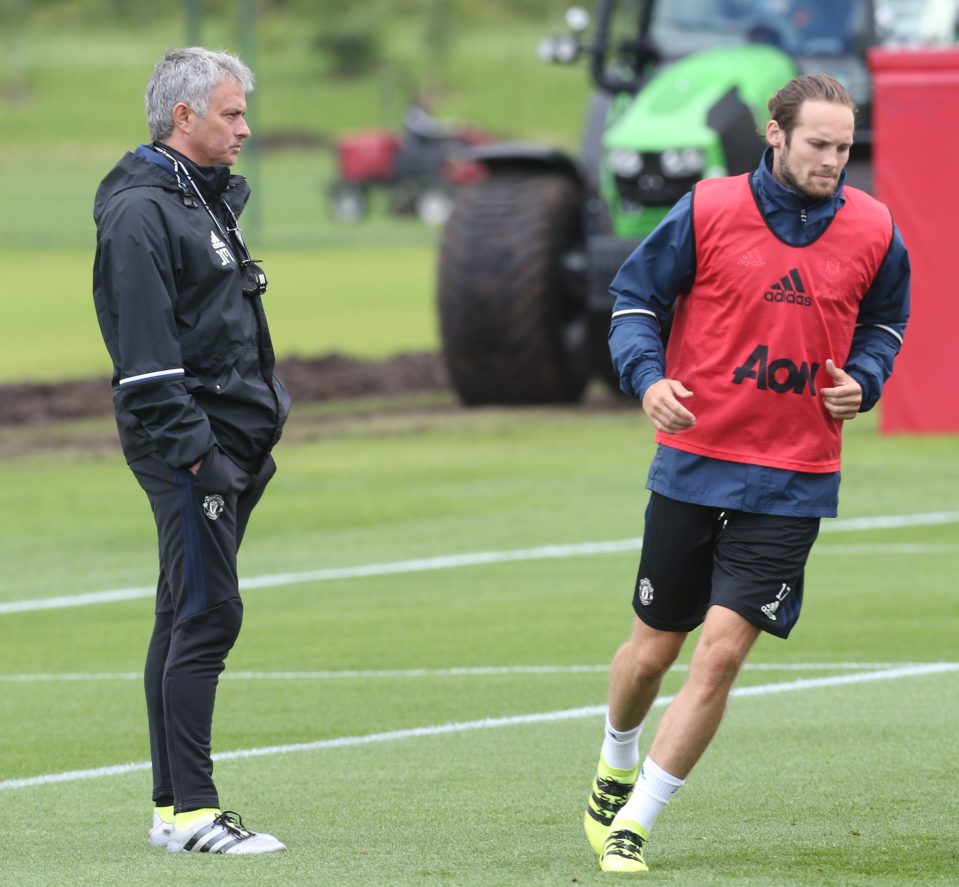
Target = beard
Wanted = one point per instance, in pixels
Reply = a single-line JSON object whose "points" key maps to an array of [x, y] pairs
{"points": [[815, 192]]}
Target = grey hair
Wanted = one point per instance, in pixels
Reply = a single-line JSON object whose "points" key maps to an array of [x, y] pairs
{"points": [[188, 76]]}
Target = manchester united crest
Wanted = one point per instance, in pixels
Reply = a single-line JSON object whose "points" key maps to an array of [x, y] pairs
{"points": [[645, 592], [213, 506]]}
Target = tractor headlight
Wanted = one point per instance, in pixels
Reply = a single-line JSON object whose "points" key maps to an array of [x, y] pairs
{"points": [[562, 50], [679, 163], [625, 163]]}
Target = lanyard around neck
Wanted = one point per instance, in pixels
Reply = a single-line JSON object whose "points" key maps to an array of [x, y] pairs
{"points": [[226, 232]]}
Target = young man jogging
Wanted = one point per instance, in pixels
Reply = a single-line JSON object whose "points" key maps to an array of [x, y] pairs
{"points": [[791, 296]]}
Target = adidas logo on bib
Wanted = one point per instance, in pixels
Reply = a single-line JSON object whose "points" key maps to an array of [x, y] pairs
{"points": [[789, 289]]}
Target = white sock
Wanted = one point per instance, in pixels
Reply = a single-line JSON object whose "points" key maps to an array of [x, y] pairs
{"points": [[654, 788], [621, 747]]}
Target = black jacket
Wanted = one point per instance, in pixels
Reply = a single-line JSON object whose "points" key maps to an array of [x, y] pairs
{"points": [[192, 356]]}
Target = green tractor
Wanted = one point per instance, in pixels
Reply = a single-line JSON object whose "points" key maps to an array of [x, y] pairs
{"points": [[528, 252]]}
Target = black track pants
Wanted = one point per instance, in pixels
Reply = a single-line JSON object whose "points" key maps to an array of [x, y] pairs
{"points": [[200, 525]]}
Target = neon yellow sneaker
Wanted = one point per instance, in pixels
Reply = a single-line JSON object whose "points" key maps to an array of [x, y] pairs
{"points": [[611, 789], [623, 850]]}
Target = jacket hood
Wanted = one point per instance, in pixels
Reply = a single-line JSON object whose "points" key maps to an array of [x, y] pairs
{"points": [[131, 172], [144, 168]]}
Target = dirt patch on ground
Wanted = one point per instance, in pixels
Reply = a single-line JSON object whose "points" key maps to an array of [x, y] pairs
{"points": [[330, 377]]}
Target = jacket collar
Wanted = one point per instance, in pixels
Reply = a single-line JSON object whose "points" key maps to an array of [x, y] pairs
{"points": [[775, 197], [211, 180]]}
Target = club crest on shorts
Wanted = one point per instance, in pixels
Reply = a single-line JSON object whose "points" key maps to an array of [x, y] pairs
{"points": [[213, 506], [645, 592]]}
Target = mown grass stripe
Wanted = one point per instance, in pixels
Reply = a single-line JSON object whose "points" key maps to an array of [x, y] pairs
{"points": [[468, 559], [465, 671], [482, 724]]}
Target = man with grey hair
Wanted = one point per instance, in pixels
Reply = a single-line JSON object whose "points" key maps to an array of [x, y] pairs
{"points": [[198, 409]]}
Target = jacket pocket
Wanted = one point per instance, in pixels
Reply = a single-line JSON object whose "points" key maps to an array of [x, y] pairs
{"points": [[218, 473]]}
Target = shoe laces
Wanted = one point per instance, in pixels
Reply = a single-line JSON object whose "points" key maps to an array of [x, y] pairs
{"points": [[613, 789], [625, 843], [233, 823]]}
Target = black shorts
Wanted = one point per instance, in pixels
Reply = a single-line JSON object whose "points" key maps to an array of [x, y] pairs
{"points": [[695, 556]]}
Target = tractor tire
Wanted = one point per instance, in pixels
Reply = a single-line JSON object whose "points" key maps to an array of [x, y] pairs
{"points": [[513, 319]]}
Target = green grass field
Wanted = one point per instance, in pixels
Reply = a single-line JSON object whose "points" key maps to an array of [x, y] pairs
{"points": [[369, 302], [432, 594], [416, 697]]}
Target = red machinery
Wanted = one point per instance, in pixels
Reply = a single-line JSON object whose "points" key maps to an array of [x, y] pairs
{"points": [[419, 168]]}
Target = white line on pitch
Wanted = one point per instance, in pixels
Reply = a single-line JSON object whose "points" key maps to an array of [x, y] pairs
{"points": [[465, 671], [482, 724], [469, 559]]}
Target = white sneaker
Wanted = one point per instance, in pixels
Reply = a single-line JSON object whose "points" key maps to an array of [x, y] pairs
{"points": [[160, 832], [221, 833]]}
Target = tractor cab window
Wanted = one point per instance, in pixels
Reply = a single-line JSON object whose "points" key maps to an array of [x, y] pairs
{"points": [[626, 52], [798, 27]]}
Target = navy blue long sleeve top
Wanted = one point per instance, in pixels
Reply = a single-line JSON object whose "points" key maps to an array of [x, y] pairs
{"points": [[663, 268]]}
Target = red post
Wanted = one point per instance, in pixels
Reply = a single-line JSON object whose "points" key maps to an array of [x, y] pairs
{"points": [[915, 163]]}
